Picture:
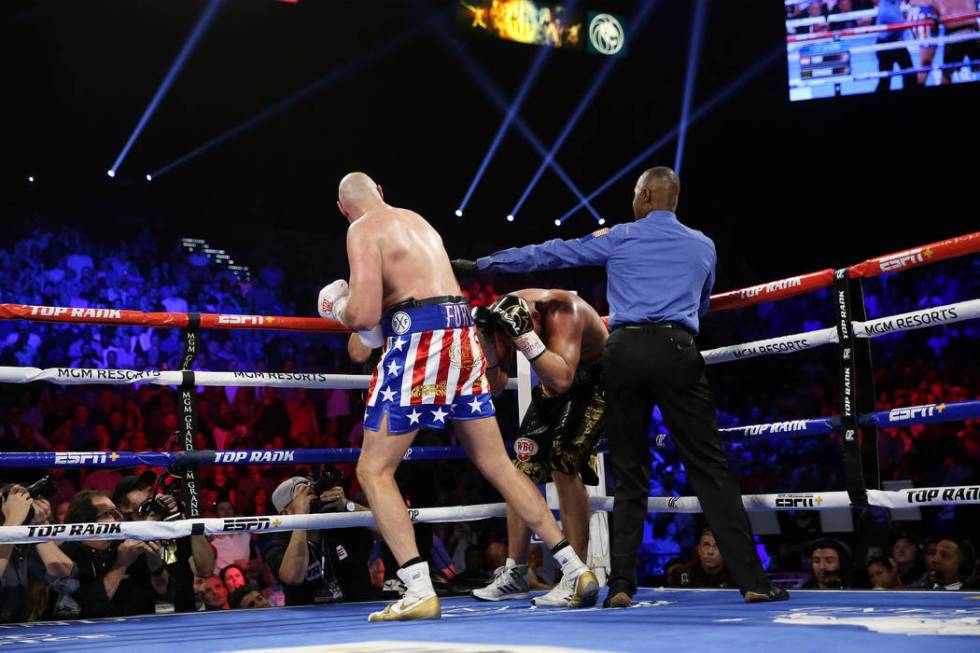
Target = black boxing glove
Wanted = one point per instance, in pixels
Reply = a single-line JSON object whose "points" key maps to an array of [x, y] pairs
{"points": [[483, 318], [462, 266], [513, 316], [485, 327]]}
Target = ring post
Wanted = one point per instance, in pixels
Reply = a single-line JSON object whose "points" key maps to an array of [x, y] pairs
{"points": [[187, 433], [853, 469]]}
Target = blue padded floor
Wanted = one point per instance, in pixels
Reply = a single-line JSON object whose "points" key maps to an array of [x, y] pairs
{"points": [[661, 620]]}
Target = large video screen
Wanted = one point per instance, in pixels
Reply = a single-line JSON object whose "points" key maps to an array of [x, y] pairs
{"points": [[847, 47]]}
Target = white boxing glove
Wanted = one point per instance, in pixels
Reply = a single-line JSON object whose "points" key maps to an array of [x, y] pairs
{"points": [[333, 299], [372, 338]]}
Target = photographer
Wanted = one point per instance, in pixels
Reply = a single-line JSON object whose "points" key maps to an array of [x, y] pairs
{"points": [[137, 500], [116, 577], [21, 565], [318, 566]]}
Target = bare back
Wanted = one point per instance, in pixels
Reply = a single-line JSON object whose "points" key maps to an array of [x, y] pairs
{"points": [[414, 263], [949, 8], [557, 307]]}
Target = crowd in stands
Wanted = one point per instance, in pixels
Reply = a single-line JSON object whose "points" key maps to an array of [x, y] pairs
{"points": [[69, 268]]}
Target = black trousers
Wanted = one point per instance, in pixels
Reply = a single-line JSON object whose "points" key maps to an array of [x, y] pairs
{"points": [[659, 364], [886, 60]]}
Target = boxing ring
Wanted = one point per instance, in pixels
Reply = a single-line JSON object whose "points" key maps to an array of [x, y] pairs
{"points": [[810, 621], [844, 61], [680, 620]]}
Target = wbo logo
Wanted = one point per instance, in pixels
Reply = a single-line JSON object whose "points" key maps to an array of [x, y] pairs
{"points": [[401, 322], [524, 448]]}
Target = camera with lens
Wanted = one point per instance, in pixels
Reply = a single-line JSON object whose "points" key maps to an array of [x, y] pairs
{"points": [[44, 488], [155, 506], [327, 478]]}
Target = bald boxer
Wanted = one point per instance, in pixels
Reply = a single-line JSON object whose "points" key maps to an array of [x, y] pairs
{"points": [[402, 294], [562, 424]]}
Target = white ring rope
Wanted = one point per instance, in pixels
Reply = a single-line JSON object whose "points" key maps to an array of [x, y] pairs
{"points": [[87, 376], [921, 319], [832, 18], [947, 314], [780, 345], [927, 317], [890, 499], [793, 55], [157, 530]]}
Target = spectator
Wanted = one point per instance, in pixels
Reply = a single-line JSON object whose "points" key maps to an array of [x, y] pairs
{"points": [[907, 555], [476, 573], [22, 566], [706, 569], [496, 555], [830, 561], [186, 556], [233, 577], [113, 580], [883, 574], [215, 594], [952, 564], [82, 432], [248, 596], [62, 511], [232, 548], [199, 586], [313, 567], [223, 484]]}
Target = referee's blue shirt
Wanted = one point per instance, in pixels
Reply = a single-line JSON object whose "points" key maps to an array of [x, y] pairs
{"points": [[658, 270]]}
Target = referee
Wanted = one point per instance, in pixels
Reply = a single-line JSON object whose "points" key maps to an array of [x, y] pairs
{"points": [[660, 275]]}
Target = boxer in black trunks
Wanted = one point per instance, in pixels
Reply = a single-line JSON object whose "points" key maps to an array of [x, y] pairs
{"points": [[562, 424]]}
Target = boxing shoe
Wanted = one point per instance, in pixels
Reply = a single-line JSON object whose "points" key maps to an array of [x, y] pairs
{"points": [[620, 595], [508, 583], [579, 590], [410, 608], [763, 596]]}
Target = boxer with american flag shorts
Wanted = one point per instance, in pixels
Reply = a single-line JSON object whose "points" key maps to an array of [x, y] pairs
{"points": [[402, 296], [432, 369]]}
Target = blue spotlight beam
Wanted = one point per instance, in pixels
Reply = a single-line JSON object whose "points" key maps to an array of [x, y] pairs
{"points": [[202, 24], [328, 80], [515, 106], [478, 74], [693, 54], [641, 15], [703, 110]]}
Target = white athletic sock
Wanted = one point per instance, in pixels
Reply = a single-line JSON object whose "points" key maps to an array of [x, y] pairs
{"points": [[520, 568], [569, 561], [416, 579]]}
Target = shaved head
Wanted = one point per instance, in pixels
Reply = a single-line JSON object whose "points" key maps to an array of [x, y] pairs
{"points": [[357, 194], [657, 189]]}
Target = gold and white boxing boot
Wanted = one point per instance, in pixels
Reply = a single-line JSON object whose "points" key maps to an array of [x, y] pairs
{"points": [[420, 600]]}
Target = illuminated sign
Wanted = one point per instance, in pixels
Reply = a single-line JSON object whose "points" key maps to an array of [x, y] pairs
{"points": [[544, 23]]}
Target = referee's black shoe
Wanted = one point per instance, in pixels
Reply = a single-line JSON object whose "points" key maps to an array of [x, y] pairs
{"points": [[620, 595], [763, 596]]}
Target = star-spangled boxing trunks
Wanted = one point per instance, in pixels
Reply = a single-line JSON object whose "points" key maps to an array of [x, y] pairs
{"points": [[432, 369]]}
